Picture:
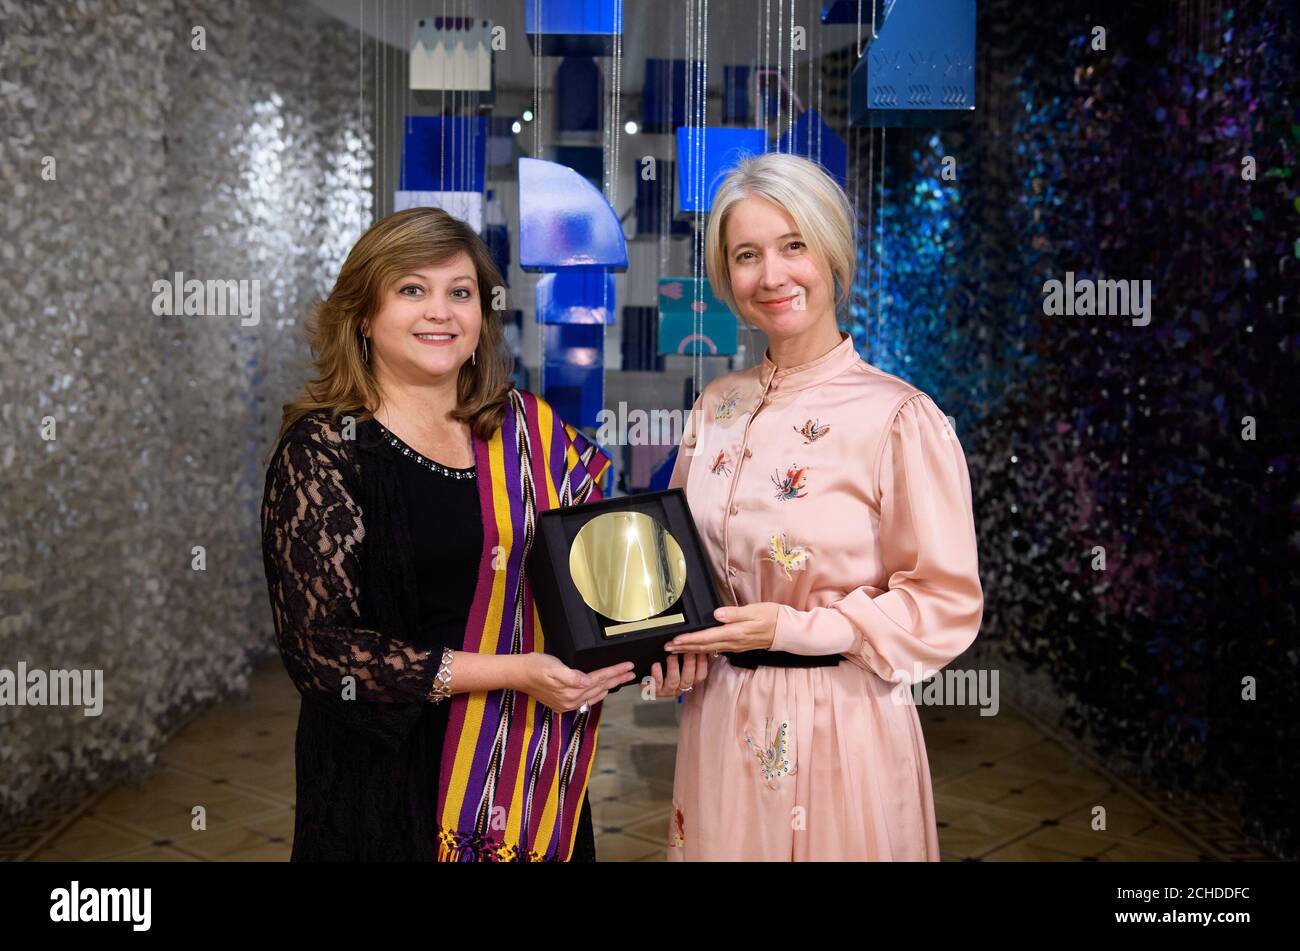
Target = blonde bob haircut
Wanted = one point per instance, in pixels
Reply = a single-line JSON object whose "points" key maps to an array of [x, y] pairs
{"points": [[821, 211]]}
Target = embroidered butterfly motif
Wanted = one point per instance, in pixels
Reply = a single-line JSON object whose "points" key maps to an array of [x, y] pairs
{"points": [[719, 464], [792, 486], [812, 430], [786, 555], [774, 755], [726, 406]]}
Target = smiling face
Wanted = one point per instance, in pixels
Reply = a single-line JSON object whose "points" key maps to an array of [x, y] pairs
{"points": [[428, 322], [776, 280]]}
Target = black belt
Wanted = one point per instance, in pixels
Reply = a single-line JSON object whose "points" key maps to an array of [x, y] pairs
{"points": [[754, 659]]}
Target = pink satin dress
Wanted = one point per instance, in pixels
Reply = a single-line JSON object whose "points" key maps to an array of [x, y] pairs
{"points": [[841, 493]]}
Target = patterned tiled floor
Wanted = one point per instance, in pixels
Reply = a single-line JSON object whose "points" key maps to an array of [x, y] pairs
{"points": [[1006, 789]]}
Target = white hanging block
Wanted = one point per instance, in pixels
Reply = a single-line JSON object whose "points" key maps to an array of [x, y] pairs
{"points": [[451, 53], [467, 206]]}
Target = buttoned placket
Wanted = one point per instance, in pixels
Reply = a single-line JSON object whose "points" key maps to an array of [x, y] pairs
{"points": [[731, 508]]}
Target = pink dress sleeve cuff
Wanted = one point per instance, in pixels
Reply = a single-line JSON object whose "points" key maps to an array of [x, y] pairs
{"points": [[819, 631]]}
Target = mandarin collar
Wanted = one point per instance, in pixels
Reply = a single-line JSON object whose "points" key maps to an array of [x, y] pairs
{"points": [[824, 368]]}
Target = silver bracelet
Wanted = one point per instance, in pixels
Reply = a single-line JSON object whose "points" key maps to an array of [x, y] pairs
{"points": [[442, 680]]}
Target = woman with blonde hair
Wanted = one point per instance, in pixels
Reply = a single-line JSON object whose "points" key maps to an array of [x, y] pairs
{"points": [[398, 511], [835, 504]]}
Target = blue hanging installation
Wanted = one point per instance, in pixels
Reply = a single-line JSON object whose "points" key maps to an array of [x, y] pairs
{"points": [[919, 69], [451, 53], [855, 11], [663, 97], [567, 225], [578, 87], [692, 321], [573, 27], [565, 221], [573, 306], [736, 109], [812, 138], [704, 156], [656, 199], [444, 165]]}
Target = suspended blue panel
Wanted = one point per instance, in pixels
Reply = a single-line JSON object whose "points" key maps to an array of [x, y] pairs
{"points": [[587, 160], [663, 96], [719, 150], [497, 238], [920, 68], [577, 95], [713, 334], [855, 11], [812, 138], [735, 95], [502, 144], [512, 323], [467, 206], [655, 201], [573, 380], [564, 221], [444, 154], [573, 27], [641, 339], [581, 296], [520, 376]]}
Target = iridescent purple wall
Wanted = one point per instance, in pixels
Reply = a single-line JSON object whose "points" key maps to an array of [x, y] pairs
{"points": [[1166, 440]]}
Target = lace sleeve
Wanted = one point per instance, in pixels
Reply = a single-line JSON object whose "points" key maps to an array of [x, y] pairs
{"points": [[312, 533]]}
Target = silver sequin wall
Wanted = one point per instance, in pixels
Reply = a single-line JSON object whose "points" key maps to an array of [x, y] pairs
{"points": [[126, 156]]}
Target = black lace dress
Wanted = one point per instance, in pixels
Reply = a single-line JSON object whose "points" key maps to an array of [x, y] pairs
{"points": [[371, 555]]}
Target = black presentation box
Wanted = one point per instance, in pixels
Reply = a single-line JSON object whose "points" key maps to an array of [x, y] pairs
{"points": [[575, 632]]}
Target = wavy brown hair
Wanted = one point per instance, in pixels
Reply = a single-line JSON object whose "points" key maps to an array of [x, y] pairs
{"points": [[394, 246]]}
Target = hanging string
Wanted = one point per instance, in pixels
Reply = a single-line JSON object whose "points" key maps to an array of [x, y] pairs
{"points": [[665, 190], [535, 29], [378, 180], [618, 100], [758, 60], [537, 80], [780, 29], [465, 164], [704, 158], [871, 228], [695, 99], [615, 114], [408, 19], [456, 180], [361, 106], [817, 68], [381, 114], [789, 111], [404, 98], [455, 127], [880, 258], [767, 39], [690, 139]]}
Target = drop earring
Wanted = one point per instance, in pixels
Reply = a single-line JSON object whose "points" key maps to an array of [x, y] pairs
{"points": [[365, 348], [473, 358]]}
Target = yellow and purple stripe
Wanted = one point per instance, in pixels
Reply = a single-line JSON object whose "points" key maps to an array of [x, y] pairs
{"points": [[513, 772]]}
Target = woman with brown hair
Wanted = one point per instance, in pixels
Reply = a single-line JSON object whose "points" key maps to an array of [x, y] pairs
{"points": [[398, 512]]}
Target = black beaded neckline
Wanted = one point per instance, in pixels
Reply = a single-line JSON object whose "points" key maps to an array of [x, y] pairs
{"points": [[410, 453]]}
